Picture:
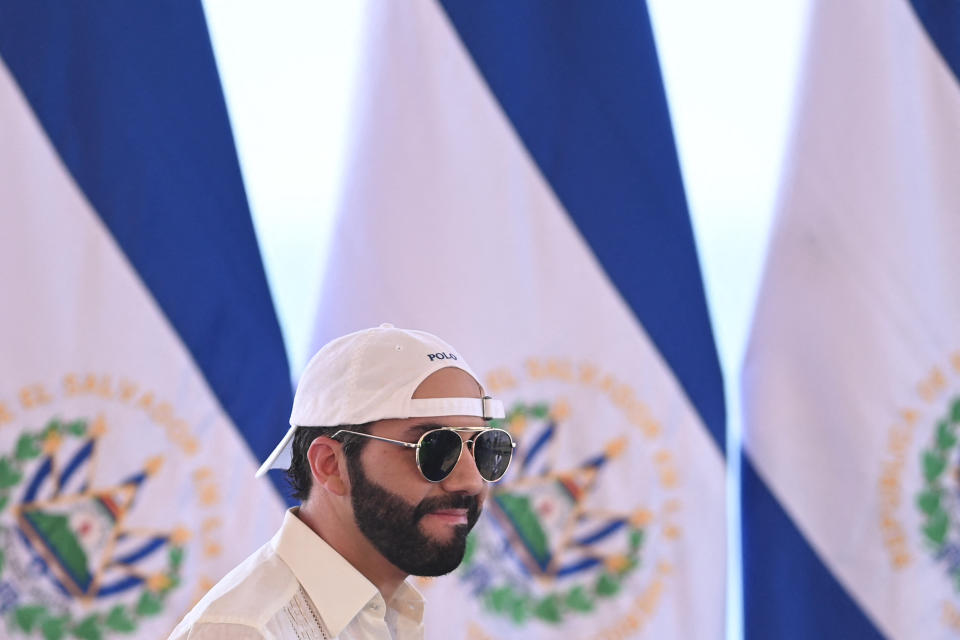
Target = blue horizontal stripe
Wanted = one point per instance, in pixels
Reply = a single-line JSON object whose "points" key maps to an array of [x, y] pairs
{"points": [[128, 93], [577, 567], [78, 459], [121, 585], [581, 84], [30, 495], [601, 533], [941, 20], [139, 554], [788, 592], [538, 444]]}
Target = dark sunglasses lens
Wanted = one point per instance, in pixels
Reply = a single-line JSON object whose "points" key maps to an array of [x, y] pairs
{"points": [[438, 454], [492, 449]]}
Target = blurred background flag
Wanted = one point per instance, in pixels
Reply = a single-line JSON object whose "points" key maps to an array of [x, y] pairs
{"points": [[513, 186], [143, 370], [852, 378]]}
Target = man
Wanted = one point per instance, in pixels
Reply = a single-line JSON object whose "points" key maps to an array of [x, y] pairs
{"points": [[383, 426]]}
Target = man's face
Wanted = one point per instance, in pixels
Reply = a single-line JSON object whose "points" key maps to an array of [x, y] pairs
{"points": [[418, 526]]}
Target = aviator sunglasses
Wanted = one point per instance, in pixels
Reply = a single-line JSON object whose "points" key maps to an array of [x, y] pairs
{"points": [[438, 450]]}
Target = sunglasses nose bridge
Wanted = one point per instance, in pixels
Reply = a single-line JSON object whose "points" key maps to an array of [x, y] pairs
{"points": [[464, 476], [465, 445]]}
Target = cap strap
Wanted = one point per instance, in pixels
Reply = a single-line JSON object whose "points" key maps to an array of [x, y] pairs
{"points": [[487, 408]]}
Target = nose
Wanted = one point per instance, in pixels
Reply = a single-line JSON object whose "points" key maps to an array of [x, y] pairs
{"points": [[464, 478]]}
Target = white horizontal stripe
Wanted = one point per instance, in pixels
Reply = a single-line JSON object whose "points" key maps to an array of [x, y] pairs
{"points": [[74, 308], [449, 226], [860, 304]]}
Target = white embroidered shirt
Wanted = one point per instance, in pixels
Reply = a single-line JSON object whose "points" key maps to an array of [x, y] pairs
{"points": [[296, 587]]}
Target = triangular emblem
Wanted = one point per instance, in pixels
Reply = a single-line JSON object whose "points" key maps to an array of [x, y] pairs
{"points": [[76, 534]]}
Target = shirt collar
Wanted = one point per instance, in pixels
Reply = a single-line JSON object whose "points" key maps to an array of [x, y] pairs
{"points": [[408, 602], [336, 588]]}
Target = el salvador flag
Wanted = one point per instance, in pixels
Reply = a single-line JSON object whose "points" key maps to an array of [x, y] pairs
{"points": [[513, 187], [143, 371], [852, 377]]}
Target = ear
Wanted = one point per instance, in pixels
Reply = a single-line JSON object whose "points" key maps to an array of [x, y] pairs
{"points": [[328, 465]]}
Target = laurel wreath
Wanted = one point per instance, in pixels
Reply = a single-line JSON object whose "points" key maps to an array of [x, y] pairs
{"points": [[518, 605], [38, 619], [931, 499]]}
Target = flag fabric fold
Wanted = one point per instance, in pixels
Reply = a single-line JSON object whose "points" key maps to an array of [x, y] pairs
{"points": [[143, 370], [852, 376], [513, 187]]}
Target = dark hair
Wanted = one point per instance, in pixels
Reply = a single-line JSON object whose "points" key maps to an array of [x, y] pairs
{"points": [[299, 474]]}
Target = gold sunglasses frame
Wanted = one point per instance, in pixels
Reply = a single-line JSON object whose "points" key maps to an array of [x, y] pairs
{"points": [[416, 445]]}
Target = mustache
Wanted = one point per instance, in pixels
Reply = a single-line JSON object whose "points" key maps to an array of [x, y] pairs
{"points": [[439, 503]]}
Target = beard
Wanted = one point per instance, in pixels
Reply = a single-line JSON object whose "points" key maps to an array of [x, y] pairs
{"points": [[391, 524]]}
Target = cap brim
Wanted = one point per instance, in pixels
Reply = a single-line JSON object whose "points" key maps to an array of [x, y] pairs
{"points": [[280, 457]]}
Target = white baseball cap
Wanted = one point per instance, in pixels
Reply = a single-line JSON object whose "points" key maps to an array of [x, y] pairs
{"points": [[372, 375]]}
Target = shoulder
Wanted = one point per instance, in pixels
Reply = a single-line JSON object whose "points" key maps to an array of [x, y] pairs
{"points": [[248, 597], [218, 631]]}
